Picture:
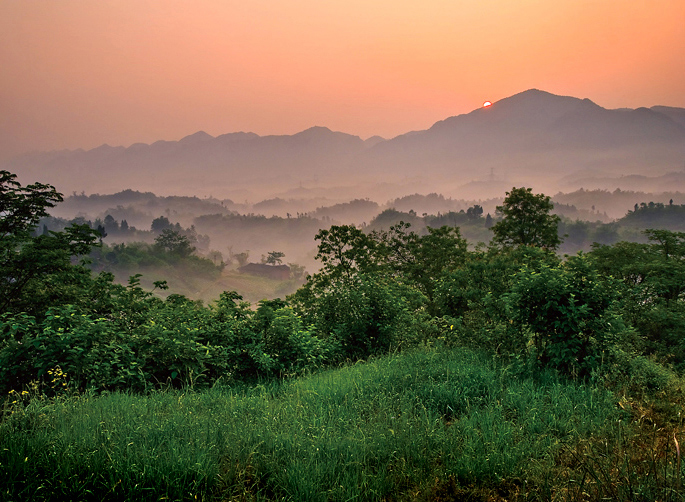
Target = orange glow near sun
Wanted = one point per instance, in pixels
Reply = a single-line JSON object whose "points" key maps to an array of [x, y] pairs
{"points": [[486, 104]]}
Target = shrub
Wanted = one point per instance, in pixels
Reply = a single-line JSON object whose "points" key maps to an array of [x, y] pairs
{"points": [[570, 313]]}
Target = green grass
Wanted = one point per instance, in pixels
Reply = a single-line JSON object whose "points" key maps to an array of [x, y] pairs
{"points": [[423, 425]]}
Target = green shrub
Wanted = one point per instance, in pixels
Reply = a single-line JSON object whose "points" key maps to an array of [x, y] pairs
{"points": [[364, 316], [569, 311]]}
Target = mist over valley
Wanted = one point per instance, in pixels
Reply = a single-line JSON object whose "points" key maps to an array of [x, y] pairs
{"points": [[246, 194]]}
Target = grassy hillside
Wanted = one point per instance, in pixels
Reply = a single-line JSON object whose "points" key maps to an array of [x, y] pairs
{"points": [[426, 425]]}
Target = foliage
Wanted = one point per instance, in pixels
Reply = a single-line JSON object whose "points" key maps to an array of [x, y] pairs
{"points": [[656, 215], [362, 317], [174, 243], [144, 342], [160, 224], [653, 277], [421, 260], [37, 272], [343, 251], [569, 312], [376, 291], [472, 298], [171, 262], [22, 207], [526, 221], [273, 258]]}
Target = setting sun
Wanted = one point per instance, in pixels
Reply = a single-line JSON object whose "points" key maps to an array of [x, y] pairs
{"points": [[486, 104]]}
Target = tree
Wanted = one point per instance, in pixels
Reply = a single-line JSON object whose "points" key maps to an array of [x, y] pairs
{"points": [[421, 260], [37, 268], [160, 224], [570, 311], [296, 271], [174, 243], [22, 207], [474, 212], [102, 233], [527, 221], [242, 258], [488, 221], [343, 251], [111, 225], [216, 257], [274, 258]]}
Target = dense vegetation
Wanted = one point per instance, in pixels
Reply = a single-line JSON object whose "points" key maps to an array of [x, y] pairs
{"points": [[494, 371]]}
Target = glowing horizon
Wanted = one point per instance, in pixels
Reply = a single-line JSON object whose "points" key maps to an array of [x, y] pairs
{"points": [[77, 73]]}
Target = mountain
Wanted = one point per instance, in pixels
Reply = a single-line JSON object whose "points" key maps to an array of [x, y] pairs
{"points": [[533, 138], [536, 137], [676, 114], [195, 164]]}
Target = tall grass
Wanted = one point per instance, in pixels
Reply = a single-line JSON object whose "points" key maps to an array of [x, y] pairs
{"points": [[396, 428]]}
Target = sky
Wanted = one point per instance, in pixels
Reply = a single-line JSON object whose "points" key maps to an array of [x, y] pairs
{"points": [[80, 73]]}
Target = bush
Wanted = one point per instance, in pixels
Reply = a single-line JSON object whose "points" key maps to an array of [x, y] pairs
{"points": [[363, 316], [570, 313], [92, 353]]}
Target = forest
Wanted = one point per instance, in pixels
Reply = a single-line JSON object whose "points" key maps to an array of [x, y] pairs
{"points": [[413, 364]]}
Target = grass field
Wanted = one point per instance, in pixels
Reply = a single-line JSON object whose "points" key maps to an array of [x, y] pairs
{"points": [[427, 425]]}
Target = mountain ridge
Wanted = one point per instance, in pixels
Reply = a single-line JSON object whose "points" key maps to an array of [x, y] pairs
{"points": [[525, 135]]}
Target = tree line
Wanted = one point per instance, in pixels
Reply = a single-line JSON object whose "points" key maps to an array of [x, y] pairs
{"points": [[609, 314]]}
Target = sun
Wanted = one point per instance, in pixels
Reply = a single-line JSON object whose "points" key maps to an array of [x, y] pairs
{"points": [[487, 103]]}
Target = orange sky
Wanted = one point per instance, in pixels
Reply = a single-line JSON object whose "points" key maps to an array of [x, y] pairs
{"points": [[79, 73]]}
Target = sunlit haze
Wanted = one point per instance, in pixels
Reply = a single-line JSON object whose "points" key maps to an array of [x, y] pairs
{"points": [[80, 73]]}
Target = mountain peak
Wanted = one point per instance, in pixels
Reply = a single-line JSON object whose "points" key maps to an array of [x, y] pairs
{"points": [[314, 131], [533, 97], [198, 137]]}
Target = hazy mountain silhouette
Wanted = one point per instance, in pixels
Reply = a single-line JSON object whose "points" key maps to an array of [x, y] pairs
{"points": [[676, 114], [533, 138]]}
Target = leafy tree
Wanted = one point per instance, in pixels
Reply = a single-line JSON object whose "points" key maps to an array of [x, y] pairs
{"points": [[101, 232], [174, 243], [657, 268], [473, 297], [421, 260], [111, 225], [160, 224], [475, 212], [362, 316], [274, 258], [35, 271], [344, 250], [527, 221], [22, 207], [43, 274], [216, 257], [653, 276], [296, 271]]}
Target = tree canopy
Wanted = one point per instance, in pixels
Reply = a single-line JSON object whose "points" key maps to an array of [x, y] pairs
{"points": [[527, 221], [34, 269]]}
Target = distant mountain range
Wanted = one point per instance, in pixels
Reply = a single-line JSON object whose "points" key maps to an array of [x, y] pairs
{"points": [[533, 138]]}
